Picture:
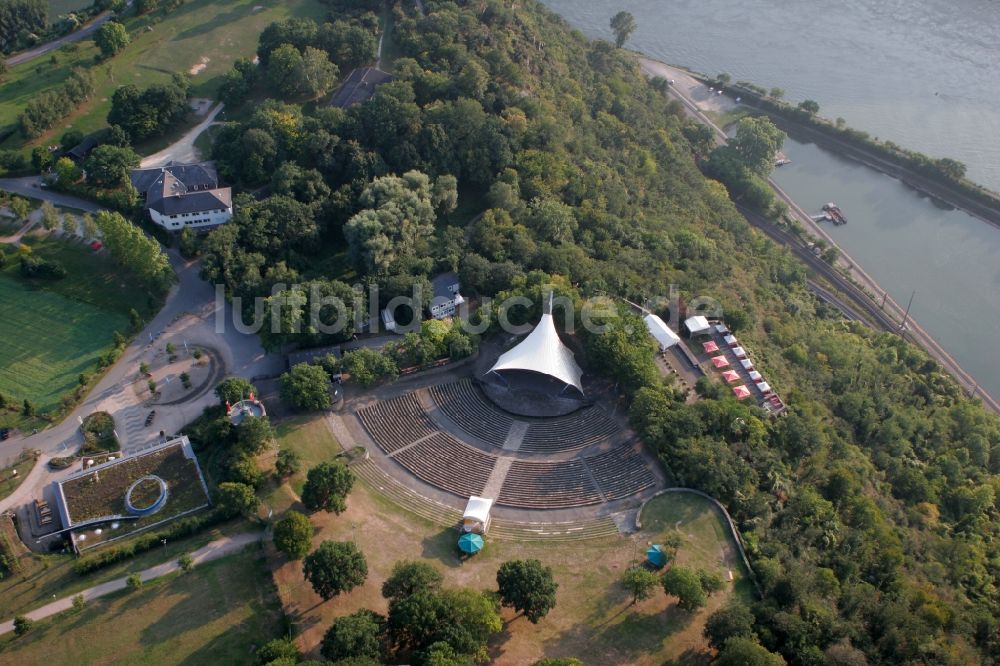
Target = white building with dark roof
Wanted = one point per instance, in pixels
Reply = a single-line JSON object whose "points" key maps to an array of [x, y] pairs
{"points": [[184, 195], [446, 296]]}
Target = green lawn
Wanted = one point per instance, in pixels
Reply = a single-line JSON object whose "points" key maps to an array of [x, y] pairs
{"points": [[52, 330], [205, 32], [593, 619], [309, 437], [59, 8], [9, 482], [47, 575], [216, 614], [48, 340]]}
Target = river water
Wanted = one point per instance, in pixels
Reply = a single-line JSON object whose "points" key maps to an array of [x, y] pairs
{"points": [[923, 73]]}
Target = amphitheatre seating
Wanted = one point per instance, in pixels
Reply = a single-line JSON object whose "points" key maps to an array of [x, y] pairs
{"points": [[396, 422], [585, 427], [466, 406], [621, 473], [446, 463], [548, 485]]}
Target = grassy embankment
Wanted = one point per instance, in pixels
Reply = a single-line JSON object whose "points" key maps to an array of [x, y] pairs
{"points": [[217, 614], [593, 618], [199, 38]]}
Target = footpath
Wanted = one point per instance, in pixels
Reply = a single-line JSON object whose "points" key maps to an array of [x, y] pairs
{"points": [[212, 551]]}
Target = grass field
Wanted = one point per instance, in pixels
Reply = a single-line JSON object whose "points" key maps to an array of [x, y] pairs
{"points": [[47, 575], [201, 32], [593, 619], [52, 330], [9, 482], [214, 615], [58, 8]]}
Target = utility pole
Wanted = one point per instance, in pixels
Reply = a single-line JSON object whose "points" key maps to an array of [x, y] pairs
{"points": [[885, 295], [906, 315]]}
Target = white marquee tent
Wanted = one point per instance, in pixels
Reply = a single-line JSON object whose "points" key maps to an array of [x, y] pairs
{"points": [[543, 352], [659, 330], [477, 515], [697, 325]]}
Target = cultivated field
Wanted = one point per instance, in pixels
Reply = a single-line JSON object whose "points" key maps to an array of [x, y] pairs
{"points": [[53, 330], [593, 619], [201, 38], [214, 615], [47, 341]]}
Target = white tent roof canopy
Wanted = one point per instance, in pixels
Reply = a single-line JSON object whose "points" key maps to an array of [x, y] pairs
{"points": [[478, 509], [543, 352], [696, 324], [659, 330]]}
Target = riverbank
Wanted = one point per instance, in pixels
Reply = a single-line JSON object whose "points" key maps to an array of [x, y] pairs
{"points": [[849, 276], [962, 194]]}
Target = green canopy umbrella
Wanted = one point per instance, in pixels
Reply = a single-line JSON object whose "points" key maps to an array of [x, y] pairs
{"points": [[470, 543], [656, 556]]}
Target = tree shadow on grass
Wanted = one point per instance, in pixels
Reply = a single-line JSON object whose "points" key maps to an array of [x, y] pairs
{"points": [[218, 21], [443, 547]]}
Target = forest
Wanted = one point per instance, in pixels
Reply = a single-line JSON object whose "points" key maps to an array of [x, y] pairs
{"points": [[510, 148]]}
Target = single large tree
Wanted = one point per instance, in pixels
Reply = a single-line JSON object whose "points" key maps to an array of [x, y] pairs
{"points": [[234, 499], [756, 142], [253, 434], [234, 389], [732, 620], [327, 486], [684, 584], [640, 582], [409, 577], [623, 25], [335, 567], [357, 635], [527, 586], [111, 38], [293, 535], [306, 387]]}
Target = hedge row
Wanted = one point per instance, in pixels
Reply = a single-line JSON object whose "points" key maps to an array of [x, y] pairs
{"points": [[178, 529]]}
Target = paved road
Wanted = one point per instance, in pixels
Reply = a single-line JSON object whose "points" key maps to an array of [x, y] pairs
{"points": [[212, 551], [191, 295], [183, 149], [31, 186], [76, 36], [889, 315]]}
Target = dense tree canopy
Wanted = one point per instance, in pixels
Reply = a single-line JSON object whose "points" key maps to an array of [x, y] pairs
{"points": [[528, 587], [335, 567], [869, 511], [111, 38], [327, 487]]}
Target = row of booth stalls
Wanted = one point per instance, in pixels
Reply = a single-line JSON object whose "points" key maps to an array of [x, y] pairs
{"points": [[730, 358]]}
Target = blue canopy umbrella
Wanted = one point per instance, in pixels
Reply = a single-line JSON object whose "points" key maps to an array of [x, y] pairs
{"points": [[656, 556], [470, 543]]}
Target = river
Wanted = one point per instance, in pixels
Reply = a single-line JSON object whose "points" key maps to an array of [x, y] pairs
{"points": [[922, 73]]}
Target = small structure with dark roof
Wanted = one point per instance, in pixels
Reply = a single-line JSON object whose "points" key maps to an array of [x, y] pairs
{"points": [[82, 150], [359, 87], [184, 195], [446, 296]]}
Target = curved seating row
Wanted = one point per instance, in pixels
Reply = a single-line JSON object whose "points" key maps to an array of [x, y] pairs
{"points": [[621, 473], [396, 422], [446, 463], [469, 409], [583, 428]]}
